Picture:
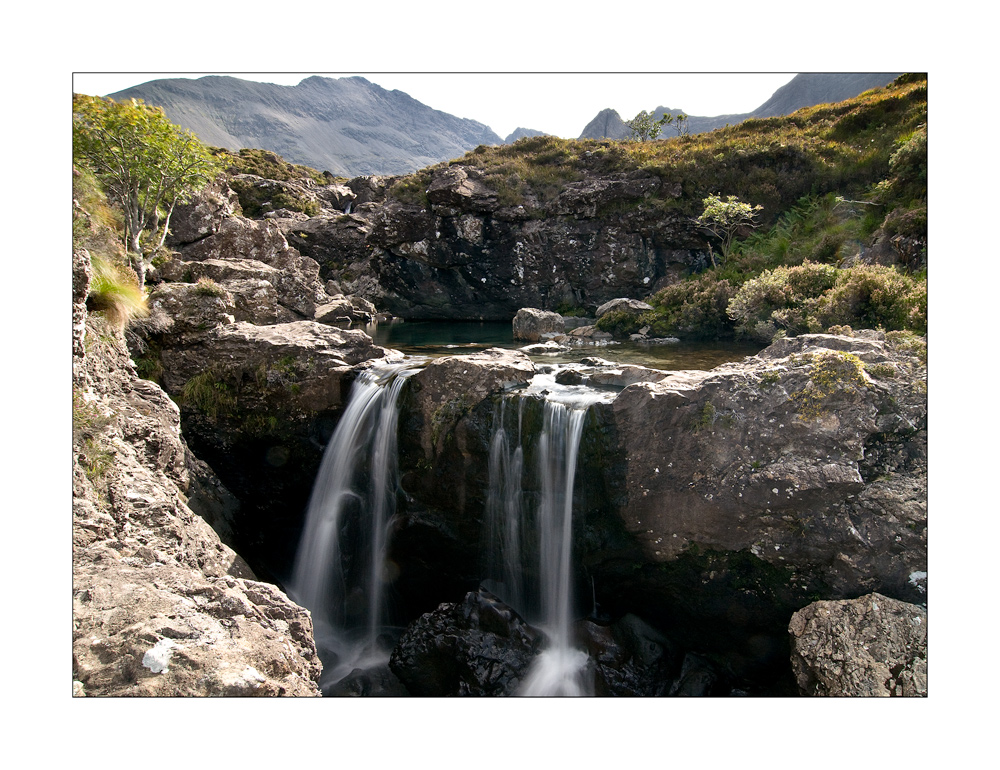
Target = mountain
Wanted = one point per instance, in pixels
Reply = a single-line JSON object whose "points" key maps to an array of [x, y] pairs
{"points": [[804, 90], [348, 126], [521, 133], [607, 124]]}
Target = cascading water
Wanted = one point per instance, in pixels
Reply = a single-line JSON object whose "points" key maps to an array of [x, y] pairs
{"points": [[560, 669], [340, 568], [505, 513]]}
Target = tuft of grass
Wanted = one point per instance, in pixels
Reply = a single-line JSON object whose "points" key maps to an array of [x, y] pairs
{"points": [[206, 287], [115, 292]]}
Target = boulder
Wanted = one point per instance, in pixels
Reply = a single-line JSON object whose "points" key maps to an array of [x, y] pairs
{"points": [[870, 646], [203, 215], [632, 307], [458, 188], [531, 323], [478, 646]]}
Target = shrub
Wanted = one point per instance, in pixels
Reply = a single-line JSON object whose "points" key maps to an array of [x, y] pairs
{"points": [[695, 308], [781, 300], [872, 296]]}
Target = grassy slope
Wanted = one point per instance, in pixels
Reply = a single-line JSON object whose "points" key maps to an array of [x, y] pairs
{"points": [[869, 151]]}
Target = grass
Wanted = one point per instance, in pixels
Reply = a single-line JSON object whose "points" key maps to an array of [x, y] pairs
{"points": [[115, 292]]}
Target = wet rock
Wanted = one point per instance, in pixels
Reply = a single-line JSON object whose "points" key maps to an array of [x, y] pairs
{"points": [[479, 646], [629, 657], [870, 646]]}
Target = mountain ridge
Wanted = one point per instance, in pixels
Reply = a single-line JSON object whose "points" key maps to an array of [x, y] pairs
{"points": [[348, 126], [804, 90]]}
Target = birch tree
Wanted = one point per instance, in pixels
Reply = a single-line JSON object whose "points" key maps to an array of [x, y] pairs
{"points": [[146, 164]]}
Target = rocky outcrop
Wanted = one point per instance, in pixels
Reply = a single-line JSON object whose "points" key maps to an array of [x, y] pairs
{"points": [[463, 251], [160, 605], [871, 646], [245, 337], [716, 504]]}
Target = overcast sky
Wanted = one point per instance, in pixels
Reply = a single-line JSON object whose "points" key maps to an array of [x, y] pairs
{"points": [[560, 103]]}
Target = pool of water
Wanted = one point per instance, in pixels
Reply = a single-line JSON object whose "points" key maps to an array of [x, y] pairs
{"points": [[450, 338]]}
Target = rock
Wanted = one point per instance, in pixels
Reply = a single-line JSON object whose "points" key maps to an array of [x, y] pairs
{"points": [[589, 333], [766, 483], [629, 657], [454, 187], [545, 348], [479, 646], [450, 387], [203, 215], [632, 307], [192, 308], [622, 376], [531, 323], [160, 605], [870, 646]]}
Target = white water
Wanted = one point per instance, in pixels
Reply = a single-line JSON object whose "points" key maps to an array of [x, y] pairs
{"points": [[505, 513], [346, 599], [560, 669]]}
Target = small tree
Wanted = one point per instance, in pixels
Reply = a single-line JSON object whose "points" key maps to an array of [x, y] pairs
{"points": [[681, 125], [724, 219], [645, 127], [146, 163]]}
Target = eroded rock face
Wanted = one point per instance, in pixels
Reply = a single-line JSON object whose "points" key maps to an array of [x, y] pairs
{"points": [[870, 646], [465, 254], [160, 605]]}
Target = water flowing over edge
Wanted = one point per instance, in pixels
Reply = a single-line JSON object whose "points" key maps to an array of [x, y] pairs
{"points": [[347, 600]]}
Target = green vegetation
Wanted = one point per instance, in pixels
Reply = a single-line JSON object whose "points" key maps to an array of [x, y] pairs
{"points": [[206, 287], [268, 165], [725, 219], [645, 127], [115, 292], [830, 373], [146, 164], [821, 186]]}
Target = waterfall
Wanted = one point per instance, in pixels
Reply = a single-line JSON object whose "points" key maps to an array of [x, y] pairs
{"points": [[340, 572], [505, 513], [513, 558], [560, 668]]}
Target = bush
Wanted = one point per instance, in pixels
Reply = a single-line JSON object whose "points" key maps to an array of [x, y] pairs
{"points": [[695, 309], [872, 296], [813, 297]]}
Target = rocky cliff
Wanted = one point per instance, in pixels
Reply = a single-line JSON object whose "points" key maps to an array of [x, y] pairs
{"points": [[160, 605]]}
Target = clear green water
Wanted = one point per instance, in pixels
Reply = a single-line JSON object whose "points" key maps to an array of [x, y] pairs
{"points": [[450, 338]]}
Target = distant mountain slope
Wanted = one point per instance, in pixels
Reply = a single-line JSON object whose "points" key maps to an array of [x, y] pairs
{"points": [[807, 89], [607, 124], [804, 90], [348, 126], [521, 133]]}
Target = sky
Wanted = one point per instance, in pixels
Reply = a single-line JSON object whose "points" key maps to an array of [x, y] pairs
{"points": [[554, 103]]}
